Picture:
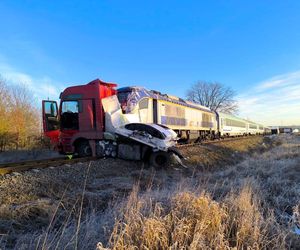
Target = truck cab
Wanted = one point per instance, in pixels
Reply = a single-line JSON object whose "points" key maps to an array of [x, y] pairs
{"points": [[79, 119]]}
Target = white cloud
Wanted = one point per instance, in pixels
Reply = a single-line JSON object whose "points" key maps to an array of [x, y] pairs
{"points": [[42, 87], [50, 90], [12, 75], [279, 81], [275, 101]]}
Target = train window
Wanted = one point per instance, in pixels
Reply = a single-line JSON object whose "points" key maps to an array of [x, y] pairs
{"points": [[174, 111], [205, 117], [206, 120], [234, 123], [143, 104]]}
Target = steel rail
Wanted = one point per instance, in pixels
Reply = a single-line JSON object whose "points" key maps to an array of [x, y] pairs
{"points": [[216, 141], [6, 168]]}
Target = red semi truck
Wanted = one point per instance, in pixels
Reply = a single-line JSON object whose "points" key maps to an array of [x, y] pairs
{"points": [[89, 121]]}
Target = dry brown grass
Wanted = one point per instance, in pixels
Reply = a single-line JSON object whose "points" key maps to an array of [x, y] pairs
{"points": [[189, 221], [225, 152], [254, 204]]}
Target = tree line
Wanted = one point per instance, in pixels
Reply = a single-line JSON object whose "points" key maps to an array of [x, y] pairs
{"points": [[19, 117]]}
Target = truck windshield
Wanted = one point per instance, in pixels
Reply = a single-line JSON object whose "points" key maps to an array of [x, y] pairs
{"points": [[69, 115]]}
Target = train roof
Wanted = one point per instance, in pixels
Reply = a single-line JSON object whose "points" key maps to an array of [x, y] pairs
{"points": [[143, 92], [225, 115], [158, 95], [255, 123], [238, 118]]}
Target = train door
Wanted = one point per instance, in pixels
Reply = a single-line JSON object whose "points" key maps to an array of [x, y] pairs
{"points": [[155, 113], [50, 120]]}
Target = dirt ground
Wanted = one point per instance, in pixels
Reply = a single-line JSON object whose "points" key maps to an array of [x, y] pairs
{"points": [[29, 200]]}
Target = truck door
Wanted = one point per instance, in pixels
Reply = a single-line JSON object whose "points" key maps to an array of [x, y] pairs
{"points": [[50, 120], [87, 118]]}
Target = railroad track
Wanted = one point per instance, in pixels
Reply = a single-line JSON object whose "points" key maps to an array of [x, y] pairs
{"points": [[216, 141], [7, 168]]}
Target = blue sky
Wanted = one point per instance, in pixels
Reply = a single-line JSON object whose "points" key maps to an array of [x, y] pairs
{"points": [[251, 46]]}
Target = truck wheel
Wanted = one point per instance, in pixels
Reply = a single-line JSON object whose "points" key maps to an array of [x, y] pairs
{"points": [[83, 149], [160, 159]]}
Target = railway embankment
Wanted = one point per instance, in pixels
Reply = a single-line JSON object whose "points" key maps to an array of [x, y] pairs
{"points": [[225, 153], [250, 186], [27, 155]]}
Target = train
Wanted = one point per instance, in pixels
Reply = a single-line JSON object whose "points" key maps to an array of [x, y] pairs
{"points": [[97, 119], [190, 121]]}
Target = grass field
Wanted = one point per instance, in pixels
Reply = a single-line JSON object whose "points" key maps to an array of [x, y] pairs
{"points": [[231, 195]]}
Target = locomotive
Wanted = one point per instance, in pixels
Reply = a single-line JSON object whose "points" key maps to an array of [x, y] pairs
{"points": [[191, 121]]}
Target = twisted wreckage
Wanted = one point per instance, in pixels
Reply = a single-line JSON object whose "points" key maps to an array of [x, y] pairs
{"points": [[90, 121]]}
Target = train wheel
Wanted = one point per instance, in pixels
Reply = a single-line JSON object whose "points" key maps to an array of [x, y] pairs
{"points": [[83, 149], [160, 159]]}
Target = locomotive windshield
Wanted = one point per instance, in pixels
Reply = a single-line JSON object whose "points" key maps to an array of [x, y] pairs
{"points": [[123, 98], [127, 100], [129, 97]]}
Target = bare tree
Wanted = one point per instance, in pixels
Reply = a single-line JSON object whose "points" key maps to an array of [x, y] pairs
{"points": [[24, 114], [4, 114], [19, 117], [213, 95]]}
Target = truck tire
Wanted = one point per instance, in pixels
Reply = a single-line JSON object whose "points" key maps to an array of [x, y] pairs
{"points": [[160, 159], [83, 149]]}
